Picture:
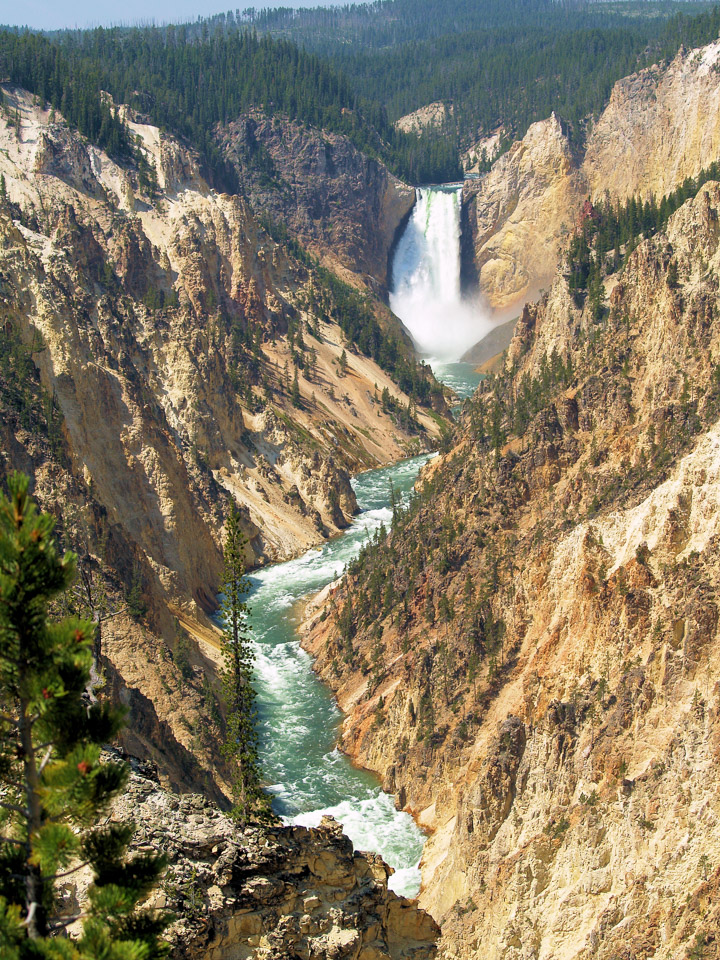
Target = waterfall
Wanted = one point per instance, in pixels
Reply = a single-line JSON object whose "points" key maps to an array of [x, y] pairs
{"points": [[425, 280]]}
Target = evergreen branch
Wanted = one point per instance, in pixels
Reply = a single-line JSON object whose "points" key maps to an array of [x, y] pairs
{"points": [[13, 808], [17, 843], [68, 873], [56, 925], [59, 803]]}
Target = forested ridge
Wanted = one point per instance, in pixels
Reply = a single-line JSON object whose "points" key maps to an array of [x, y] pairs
{"points": [[499, 64], [188, 86], [355, 69], [385, 24]]}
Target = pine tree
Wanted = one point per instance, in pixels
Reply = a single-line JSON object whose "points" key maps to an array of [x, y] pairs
{"points": [[251, 803], [53, 785], [395, 502], [295, 393]]}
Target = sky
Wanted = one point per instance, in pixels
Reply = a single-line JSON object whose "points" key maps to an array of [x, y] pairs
{"points": [[51, 14]]}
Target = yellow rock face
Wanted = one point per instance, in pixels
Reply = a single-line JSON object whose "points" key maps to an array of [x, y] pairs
{"points": [[660, 126], [569, 769], [518, 214]]}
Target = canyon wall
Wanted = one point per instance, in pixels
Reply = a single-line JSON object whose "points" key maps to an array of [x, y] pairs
{"points": [[659, 127], [530, 658], [517, 214], [344, 205], [163, 356]]}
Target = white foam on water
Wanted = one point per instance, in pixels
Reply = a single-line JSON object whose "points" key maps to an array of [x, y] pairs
{"points": [[406, 881], [373, 824], [274, 787]]}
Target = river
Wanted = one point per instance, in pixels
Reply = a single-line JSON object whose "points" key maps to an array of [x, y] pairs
{"points": [[297, 714], [298, 717]]}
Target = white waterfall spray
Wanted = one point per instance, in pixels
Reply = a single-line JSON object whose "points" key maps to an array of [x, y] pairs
{"points": [[426, 278]]}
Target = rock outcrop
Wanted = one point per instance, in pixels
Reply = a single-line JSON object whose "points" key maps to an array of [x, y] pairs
{"points": [[659, 127], [341, 203], [431, 115], [278, 893], [482, 152], [532, 659], [518, 214]]}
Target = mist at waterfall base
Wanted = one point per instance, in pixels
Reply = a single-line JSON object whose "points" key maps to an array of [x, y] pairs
{"points": [[426, 288]]}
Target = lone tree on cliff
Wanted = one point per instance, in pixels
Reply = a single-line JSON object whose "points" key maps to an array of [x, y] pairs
{"points": [[241, 744], [53, 786]]}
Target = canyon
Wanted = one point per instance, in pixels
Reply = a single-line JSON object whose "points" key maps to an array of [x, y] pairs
{"points": [[160, 361], [526, 654], [529, 658], [164, 357]]}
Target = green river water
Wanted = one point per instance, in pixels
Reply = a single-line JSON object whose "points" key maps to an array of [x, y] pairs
{"points": [[298, 717]]}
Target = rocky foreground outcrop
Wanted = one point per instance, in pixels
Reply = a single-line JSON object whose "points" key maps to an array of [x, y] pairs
{"points": [[278, 893], [660, 126], [530, 660]]}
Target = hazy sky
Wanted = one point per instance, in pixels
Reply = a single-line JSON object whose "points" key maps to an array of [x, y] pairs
{"points": [[51, 14]]}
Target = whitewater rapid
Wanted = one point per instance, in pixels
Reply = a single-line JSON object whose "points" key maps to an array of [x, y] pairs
{"points": [[298, 718]]}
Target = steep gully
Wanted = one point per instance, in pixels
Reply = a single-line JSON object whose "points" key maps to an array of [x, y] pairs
{"points": [[299, 719]]}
